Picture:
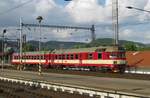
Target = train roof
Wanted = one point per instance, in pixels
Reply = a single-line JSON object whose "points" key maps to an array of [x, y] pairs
{"points": [[92, 49], [34, 52]]}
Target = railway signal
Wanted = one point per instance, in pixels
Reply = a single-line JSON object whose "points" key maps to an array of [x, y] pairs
{"points": [[3, 48], [39, 19]]}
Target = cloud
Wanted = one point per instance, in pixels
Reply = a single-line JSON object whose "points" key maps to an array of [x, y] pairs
{"points": [[79, 12], [43, 7], [84, 11]]}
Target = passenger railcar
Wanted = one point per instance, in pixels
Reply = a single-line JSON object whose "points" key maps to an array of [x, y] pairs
{"points": [[109, 58]]}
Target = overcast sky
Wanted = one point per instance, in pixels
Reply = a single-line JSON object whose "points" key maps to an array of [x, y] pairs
{"points": [[76, 13]]}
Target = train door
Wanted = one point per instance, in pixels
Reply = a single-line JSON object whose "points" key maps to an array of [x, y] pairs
{"points": [[52, 59], [80, 59], [46, 58]]}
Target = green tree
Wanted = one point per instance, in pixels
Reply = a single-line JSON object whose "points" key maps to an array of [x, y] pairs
{"points": [[131, 47], [28, 47]]}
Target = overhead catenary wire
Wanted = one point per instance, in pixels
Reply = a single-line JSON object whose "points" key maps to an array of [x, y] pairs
{"points": [[15, 7]]}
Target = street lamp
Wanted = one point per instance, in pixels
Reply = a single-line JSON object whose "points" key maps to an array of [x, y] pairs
{"points": [[39, 19], [130, 7], [4, 31]]}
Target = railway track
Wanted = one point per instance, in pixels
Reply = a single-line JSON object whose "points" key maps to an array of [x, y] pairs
{"points": [[17, 90], [90, 73]]}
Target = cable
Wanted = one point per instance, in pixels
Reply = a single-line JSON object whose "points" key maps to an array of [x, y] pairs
{"points": [[16, 7]]}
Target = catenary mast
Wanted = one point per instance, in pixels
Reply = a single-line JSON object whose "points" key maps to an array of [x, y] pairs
{"points": [[115, 21]]}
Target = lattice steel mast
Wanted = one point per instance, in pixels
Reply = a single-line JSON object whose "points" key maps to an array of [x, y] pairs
{"points": [[115, 21]]}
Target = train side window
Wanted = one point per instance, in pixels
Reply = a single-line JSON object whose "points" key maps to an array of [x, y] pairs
{"points": [[76, 56], [99, 55], [71, 56], [63, 56], [90, 56], [67, 56], [59, 57]]}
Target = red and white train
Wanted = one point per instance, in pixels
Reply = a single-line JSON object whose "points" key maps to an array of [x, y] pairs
{"points": [[108, 58]]}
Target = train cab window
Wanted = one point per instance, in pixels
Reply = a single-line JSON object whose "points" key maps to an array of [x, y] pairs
{"points": [[76, 56], [123, 55], [71, 56], [99, 55], [113, 55], [90, 56]]}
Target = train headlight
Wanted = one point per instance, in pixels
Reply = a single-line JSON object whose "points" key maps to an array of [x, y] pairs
{"points": [[115, 62]]}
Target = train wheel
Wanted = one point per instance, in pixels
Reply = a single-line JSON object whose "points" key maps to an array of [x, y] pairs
{"points": [[122, 69]]}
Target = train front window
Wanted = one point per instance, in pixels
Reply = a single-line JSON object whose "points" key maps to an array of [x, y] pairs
{"points": [[113, 55], [123, 55], [117, 55]]}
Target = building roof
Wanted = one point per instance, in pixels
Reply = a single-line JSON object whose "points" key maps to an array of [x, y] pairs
{"points": [[138, 58]]}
